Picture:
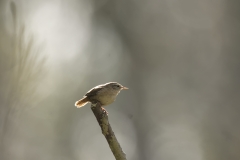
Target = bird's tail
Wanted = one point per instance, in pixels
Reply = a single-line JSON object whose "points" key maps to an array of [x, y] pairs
{"points": [[81, 102]]}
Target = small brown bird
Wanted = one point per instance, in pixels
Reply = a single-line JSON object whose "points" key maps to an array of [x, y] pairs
{"points": [[104, 93]]}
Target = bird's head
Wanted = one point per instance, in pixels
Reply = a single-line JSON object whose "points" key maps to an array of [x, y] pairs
{"points": [[116, 86]]}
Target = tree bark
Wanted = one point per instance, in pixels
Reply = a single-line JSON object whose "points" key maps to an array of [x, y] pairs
{"points": [[102, 118]]}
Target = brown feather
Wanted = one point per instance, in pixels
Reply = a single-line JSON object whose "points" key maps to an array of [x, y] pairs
{"points": [[82, 102], [93, 91]]}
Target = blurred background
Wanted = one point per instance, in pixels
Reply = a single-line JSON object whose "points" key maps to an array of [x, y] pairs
{"points": [[180, 60]]}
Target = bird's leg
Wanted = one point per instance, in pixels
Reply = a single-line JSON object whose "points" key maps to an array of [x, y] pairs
{"points": [[100, 105], [104, 110]]}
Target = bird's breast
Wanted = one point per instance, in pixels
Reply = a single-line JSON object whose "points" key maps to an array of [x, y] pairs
{"points": [[106, 99]]}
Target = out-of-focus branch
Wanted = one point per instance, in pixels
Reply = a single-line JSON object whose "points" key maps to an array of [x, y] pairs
{"points": [[102, 118]]}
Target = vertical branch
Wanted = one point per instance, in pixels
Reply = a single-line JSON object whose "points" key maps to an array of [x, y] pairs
{"points": [[102, 118], [14, 14]]}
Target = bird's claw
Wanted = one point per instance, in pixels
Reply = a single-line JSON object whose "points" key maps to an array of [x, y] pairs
{"points": [[104, 110]]}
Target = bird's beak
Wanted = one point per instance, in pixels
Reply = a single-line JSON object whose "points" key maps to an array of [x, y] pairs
{"points": [[124, 87]]}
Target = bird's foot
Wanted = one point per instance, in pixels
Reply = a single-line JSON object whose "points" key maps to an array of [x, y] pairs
{"points": [[104, 110]]}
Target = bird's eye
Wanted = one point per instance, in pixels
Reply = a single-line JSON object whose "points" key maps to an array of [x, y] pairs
{"points": [[117, 86]]}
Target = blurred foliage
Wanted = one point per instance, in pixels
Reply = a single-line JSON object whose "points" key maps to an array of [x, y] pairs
{"points": [[21, 69], [180, 60]]}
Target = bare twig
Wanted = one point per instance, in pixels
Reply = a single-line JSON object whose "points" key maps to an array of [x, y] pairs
{"points": [[102, 118]]}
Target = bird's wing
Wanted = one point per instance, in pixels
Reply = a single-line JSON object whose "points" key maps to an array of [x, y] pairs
{"points": [[93, 91]]}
